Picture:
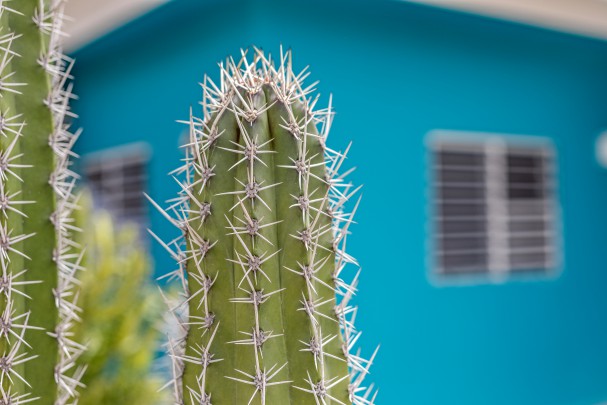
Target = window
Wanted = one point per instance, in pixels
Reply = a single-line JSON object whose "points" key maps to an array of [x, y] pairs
{"points": [[494, 204], [118, 178]]}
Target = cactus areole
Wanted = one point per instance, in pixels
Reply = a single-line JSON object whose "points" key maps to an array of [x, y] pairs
{"points": [[268, 317]]}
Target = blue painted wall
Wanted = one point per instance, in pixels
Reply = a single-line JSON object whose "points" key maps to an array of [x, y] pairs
{"points": [[398, 71]]}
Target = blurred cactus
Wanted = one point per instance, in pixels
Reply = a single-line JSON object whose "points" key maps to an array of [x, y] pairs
{"points": [[263, 248], [39, 259], [121, 311]]}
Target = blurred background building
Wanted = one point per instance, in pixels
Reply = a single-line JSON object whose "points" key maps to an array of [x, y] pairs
{"points": [[477, 132]]}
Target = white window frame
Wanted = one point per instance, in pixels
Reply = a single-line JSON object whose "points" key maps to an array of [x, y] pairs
{"points": [[108, 161], [494, 147]]}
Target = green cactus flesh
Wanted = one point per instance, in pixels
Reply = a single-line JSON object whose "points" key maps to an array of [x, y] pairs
{"points": [[38, 257], [264, 232]]}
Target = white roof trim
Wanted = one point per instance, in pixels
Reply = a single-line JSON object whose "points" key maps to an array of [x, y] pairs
{"points": [[584, 17], [94, 18], [90, 19]]}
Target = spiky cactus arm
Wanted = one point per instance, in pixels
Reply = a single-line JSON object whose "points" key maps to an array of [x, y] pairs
{"points": [[14, 319], [37, 117], [264, 234], [40, 101]]}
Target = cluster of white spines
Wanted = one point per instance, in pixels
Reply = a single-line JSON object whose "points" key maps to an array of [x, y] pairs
{"points": [[67, 253], [248, 77]]}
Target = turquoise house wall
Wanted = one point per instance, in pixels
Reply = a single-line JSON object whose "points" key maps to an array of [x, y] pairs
{"points": [[398, 71]]}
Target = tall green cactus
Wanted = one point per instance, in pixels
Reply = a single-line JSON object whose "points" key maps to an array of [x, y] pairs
{"points": [[268, 318], [38, 258]]}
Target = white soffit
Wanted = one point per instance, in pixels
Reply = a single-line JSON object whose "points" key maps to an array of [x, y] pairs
{"points": [[90, 19], [585, 17]]}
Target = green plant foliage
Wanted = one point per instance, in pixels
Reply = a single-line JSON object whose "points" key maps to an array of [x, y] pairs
{"points": [[269, 317], [122, 313]]}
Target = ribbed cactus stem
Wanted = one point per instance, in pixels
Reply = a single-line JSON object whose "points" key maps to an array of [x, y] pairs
{"points": [[31, 44], [208, 198], [39, 259], [263, 223], [309, 256]]}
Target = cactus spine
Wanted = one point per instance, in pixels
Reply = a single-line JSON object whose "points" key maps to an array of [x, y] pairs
{"points": [[269, 319], [38, 258]]}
